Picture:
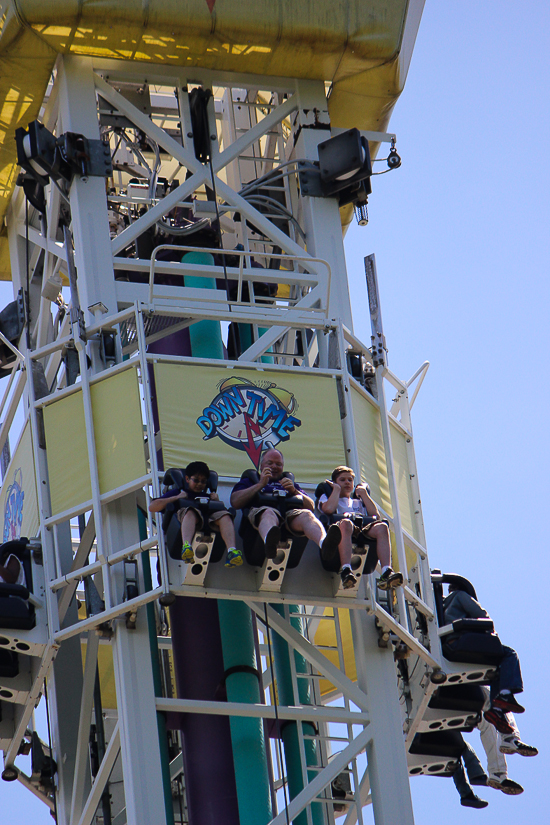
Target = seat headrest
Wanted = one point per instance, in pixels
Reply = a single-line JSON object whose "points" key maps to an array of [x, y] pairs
{"points": [[17, 547], [175, 476], [458, 582]]}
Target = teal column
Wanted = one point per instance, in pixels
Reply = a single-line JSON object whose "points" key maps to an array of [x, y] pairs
{"points": [[290, 731], [245, 338], [247, 735], [206, 336], [237, 632]]}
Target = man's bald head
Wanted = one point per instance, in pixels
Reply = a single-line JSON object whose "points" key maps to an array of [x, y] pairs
{"points": [[273, 459]]}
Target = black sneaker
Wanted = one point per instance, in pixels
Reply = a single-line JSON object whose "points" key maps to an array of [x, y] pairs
{"points": [[329, 547], [511, 745], [497, 718], [388, 580], [473, 801], [272, 542], [507, 786], [507, 702], [348, 579]]}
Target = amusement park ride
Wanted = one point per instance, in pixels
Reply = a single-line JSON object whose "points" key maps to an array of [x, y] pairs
{"points": [[176, 180]]}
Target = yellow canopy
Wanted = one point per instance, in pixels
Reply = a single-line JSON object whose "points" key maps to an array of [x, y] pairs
{"points": [[363, 47]]}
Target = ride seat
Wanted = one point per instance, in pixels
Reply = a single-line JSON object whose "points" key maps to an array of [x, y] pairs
{"points": [[16, 612], [171, 527], [253, 548], [474, 639], [362, 543]]}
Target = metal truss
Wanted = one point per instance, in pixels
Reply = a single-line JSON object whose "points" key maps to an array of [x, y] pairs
{"points": [[257, 125]]}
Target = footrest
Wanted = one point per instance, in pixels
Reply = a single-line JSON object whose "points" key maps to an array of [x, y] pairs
{"points": [[196, 571], [358, 561], [271, 576]]}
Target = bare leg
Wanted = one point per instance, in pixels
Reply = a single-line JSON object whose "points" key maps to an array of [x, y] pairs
{"points": [[310, 526], [345, 547], [188, 526], [268, 519], [227, 529], [381, 533]]}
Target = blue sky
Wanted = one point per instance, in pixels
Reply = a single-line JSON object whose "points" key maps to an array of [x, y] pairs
{"points": [[461, 240], [460, 234]]}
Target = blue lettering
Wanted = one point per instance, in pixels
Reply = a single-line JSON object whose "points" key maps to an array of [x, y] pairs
{"points": [[214, 415], [256, 401], [206, 426], [276, 414], [289, 425]]}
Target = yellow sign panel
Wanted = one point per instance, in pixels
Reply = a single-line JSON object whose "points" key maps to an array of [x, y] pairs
{"points": [[18, 500], [118, 433], [226, 417]]}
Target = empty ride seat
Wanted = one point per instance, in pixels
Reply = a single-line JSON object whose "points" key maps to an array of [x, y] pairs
{"points": [[171, 526], [16, 612], [444, 744], [467, 698], [253, 548]]}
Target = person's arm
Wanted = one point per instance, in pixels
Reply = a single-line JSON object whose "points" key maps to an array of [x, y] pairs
{"points": [[10, 572], [214, 497], [470, 607], [159, 504], [370, 506], [330, 505], [242, 498]]}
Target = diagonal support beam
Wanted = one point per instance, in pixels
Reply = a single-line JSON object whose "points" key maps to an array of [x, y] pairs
{"points": [[313, 656], [81, 555], [101, 778], [86, 703], [364, 791], [336, 765], [275, 116]]}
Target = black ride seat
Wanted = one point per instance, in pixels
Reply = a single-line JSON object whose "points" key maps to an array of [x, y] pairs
{"points": [[253, 549], [16, 612], [175, 477], [362, 542], [472, 641]]}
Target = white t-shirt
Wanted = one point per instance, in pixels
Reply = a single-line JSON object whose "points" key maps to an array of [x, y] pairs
{"points": [[347, 505]]}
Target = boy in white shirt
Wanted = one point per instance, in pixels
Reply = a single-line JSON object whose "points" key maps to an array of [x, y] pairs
{"points": [[341, 503]]}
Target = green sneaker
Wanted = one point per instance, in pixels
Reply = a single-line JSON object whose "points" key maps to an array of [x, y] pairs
{"points": [[187, 553], [234, 558]]}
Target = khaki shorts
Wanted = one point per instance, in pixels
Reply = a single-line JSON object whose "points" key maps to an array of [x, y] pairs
{"points": [[212, 519], [255, 513]]}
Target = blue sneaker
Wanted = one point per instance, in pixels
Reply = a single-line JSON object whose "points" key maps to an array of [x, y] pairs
{"points": [[234, 558]]}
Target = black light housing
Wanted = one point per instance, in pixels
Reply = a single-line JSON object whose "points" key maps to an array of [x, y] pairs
{"points": [[344, 162]]}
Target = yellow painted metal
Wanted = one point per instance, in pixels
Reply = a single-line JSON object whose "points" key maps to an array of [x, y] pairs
{"points": [[312, 399], [362, 47], [118, 440]]}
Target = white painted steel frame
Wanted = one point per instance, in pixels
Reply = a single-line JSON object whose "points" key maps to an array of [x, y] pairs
{"points": [[76, 75]]}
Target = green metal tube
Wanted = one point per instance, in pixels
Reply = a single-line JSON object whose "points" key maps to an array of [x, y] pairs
{"points": [[247, 735], [289, 731], [206, 337]]}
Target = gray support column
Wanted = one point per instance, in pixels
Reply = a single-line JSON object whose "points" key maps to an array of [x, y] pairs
{"points": [[93, 256], [135, 689], [64, 696], [321, 216], [386, 756]]}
